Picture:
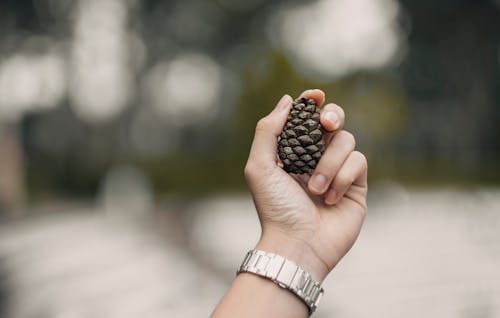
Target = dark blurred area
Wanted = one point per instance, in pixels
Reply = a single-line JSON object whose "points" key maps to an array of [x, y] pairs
{"points": [[174, 88], [135, 107]]}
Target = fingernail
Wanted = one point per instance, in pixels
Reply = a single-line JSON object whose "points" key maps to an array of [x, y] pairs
{"points": [[331, 196], [332, 117], [283, 103], [318, 183]]}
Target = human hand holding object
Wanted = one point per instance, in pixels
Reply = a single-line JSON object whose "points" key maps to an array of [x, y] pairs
{"points": [[313, 220]]}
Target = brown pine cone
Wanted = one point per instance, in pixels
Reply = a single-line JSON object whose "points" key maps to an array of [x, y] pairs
{"points": [[301, 144]]}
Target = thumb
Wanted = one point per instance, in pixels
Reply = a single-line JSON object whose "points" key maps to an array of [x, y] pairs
{"points": [[265, 142]]}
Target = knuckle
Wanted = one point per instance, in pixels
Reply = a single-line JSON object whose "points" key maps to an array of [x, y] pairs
{"points": [[360, 158], [364, 211], [255, 169], [262, 124], [343, 180], [347, 139], [249, 170]]}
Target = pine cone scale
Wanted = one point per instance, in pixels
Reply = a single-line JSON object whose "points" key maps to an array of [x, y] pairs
{"points": [[301, 142]]}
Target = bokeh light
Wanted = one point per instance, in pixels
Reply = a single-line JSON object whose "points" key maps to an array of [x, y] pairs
{"points": [[333, 38], [101, 82], [31, 82], [186, 88]]}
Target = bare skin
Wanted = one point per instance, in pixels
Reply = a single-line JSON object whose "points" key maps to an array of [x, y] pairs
{"points": [[313, 221]]}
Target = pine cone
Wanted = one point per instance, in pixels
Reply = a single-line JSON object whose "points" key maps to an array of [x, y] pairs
{"points": [[301, 143]]}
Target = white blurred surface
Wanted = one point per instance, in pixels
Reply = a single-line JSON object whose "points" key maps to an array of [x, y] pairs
{"points": [[333, 38], [420, 254], [86, 264]]}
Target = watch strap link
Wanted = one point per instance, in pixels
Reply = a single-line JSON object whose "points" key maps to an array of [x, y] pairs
{"points": [[286, 274]]}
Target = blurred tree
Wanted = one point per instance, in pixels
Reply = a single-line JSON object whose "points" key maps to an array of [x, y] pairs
{"points": [[433, 118], [453, 80]]}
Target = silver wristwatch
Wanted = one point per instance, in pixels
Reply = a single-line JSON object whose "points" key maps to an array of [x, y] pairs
{"points": [[286, 274]]}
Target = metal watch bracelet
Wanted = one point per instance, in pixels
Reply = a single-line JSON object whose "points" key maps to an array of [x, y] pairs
{"points": [[286, 274]]}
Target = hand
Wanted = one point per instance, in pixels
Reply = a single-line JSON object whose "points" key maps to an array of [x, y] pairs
{"points": [[314, 220]]}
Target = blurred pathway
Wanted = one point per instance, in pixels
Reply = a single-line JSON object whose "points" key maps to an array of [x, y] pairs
{"points": [[89, 265], [420, 254]]}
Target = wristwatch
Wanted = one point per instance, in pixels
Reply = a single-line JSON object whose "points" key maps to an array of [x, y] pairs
{"points": [[286, 274]]}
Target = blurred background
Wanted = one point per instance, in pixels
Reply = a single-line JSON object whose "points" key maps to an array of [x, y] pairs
{"points": [[125, 126]]}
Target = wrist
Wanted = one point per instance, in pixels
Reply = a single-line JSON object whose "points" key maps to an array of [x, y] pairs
{"points": [[295, 250]]}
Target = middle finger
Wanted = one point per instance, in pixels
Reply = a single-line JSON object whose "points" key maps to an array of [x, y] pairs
{"points": [[342, 144]]}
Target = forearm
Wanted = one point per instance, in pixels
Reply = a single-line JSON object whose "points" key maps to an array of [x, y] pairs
{"points": [[254, 296]]}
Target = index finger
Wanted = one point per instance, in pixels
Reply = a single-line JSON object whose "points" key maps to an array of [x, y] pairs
{"points": [[332, 117]]}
